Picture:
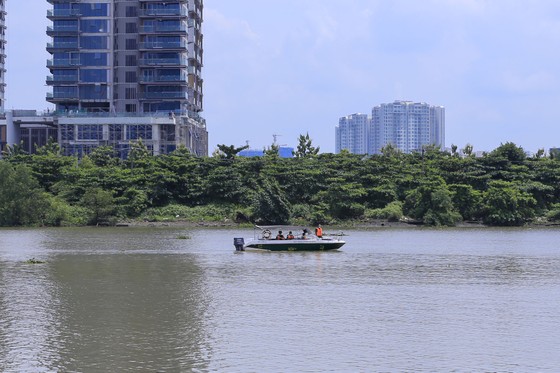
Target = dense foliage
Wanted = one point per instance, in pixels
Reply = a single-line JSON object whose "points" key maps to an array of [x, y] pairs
{"points": [[504, 187]]}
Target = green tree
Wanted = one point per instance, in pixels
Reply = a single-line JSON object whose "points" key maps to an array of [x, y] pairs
{"points": [[506, 205], [22, 201], [230, 152], [510, 152], [139, 155], [104, 156], [270, 205], [468, 150], [432, 204], [100, 204], [467, 200], [345, 199], [305, 148], [273, 151]]}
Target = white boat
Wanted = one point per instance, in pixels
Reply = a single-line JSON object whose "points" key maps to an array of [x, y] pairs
{"points": [[267, 238]]}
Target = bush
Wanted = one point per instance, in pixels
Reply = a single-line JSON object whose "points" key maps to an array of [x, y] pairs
{"points": [[392, 212], [209, 213], [554, 213]]}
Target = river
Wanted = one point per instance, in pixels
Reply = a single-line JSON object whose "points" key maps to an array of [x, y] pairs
{"points": [[182, 300]]}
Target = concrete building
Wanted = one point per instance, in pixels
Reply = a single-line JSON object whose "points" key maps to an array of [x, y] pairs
{"points": [[353, 133], [408, 126], [2, 53], [127, 70]]}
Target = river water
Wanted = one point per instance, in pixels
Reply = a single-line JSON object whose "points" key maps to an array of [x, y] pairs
{"points": [[391, 300]]}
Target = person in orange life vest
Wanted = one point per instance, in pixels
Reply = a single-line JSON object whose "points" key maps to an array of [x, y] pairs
{"points": [[319, 231], [279, 236], [290, 236]]}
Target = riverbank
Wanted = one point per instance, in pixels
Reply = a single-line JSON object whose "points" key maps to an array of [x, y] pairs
{"points": [[379, 223]]}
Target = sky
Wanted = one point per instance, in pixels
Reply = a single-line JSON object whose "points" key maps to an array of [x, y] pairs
{"points": [[291, 67]]}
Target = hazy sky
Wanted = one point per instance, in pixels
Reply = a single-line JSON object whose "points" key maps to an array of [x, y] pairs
{"points": [[288, 67]]}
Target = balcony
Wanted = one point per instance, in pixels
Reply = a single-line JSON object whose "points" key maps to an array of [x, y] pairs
{"points": [[146, 13], [73, 62], [159, 45], [63, 13], [62, 79], [55, 47], [164, 95], [180, 29], [164, 79], [62, 30], [179, 62], [51, 97]]}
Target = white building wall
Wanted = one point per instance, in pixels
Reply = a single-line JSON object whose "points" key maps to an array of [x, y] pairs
{"points": [[353, 134], [408, 126]]}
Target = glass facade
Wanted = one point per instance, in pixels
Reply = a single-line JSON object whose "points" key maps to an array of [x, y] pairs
{"points": [[133, 58], [33, 138]]}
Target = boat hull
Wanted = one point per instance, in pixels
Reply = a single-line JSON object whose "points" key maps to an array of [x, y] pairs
{"points": [[295, 245]]}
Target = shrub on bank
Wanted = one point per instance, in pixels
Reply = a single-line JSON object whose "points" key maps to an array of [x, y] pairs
{"points": [[207, 213], [392, 212]]}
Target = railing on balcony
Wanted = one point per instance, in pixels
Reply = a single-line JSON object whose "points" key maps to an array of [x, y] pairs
{"points": [[51, 29], [160, 28], [163, 78], [62, 78], [163, 61], [163, 45], [59, 45], [62, 96], [164, 95], [163, 12], [63, 62], [63, 13]]}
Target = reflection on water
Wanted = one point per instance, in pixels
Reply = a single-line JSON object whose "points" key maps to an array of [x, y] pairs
{"points": [[129, 310], [392, 300], [27, 323]]}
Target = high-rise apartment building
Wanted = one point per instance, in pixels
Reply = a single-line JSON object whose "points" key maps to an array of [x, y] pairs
{"points": [[353, 134], [2, 52], [125, 70], [408, 126]]}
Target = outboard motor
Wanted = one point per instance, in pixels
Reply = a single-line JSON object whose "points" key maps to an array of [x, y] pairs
{"points": [[239, 243]]}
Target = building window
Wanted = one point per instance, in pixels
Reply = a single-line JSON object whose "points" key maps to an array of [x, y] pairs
{"points": [[140, 131], [130, 77], [93, 26], [67, 132], [130, 60], [131, 44], [115, 132], [131, 11], [131, 28], [130, 93], [90, 132]]}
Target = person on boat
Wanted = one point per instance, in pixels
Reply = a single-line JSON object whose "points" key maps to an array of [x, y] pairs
{"points": [[279, 236], [304, 234], [319, 231], [290, 236]]}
